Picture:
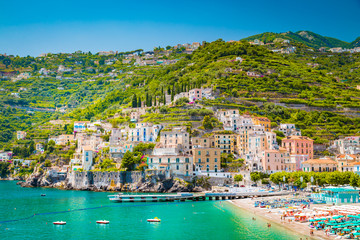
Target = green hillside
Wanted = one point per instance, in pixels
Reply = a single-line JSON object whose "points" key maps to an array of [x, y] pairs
{"points": [[306, 37], [322, 84]]}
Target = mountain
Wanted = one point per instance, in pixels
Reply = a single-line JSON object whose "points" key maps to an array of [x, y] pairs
{"points": [[306, 37], [356, 43]]}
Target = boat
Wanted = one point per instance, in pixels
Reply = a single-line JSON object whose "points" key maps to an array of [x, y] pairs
{"points": [[59, 223], [154, 220], [43, 195], [102, 222]]}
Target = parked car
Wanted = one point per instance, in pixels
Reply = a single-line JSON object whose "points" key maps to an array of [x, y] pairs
{"points": [[242, 185]]}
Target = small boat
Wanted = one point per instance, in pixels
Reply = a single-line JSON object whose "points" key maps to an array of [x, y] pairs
{"points": [[102, 222], [154, 220], [43, 195], [59, 223]]}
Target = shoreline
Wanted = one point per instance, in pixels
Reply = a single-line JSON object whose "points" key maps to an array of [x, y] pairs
{"points": [[303, 229]]}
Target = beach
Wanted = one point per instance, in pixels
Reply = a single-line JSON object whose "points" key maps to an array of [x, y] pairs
{"points": [[274, 216]]}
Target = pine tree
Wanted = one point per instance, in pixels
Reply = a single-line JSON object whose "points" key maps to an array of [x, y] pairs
{"points": [[169, 90], [147, 99], [134, 101], [150, 101], [155, 101], [172, 96], [164, 99]]}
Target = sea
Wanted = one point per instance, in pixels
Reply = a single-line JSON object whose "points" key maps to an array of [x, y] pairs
{"points": [[25, 214]]}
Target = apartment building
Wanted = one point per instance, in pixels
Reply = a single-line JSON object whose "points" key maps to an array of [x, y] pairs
{"points": [[207, 159], [299, 145], [225, 142]]}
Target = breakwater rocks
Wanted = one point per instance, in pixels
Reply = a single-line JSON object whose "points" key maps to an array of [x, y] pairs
{"points": [[148, 181]]}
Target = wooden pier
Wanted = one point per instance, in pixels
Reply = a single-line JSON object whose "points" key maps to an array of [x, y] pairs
{"points": [[190, 196]]}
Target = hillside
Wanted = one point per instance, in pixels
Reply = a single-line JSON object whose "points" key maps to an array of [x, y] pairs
{"points": [[315, 90], [306, 37]]}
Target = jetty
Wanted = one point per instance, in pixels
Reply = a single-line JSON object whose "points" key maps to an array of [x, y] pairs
{"points": [[190, 196]]}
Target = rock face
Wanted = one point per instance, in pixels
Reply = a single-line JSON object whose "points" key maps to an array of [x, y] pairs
{"points": [[150, 181]]}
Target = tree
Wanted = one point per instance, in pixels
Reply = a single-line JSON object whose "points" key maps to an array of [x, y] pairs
{"points": [[238, 178], [255, 176], [134, 101], [128, 161], [6, 62], [207, 122], [139, 102], [47, 163]]}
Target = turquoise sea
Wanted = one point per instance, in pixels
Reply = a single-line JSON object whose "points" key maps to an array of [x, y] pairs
{"points": [[189, 220]]}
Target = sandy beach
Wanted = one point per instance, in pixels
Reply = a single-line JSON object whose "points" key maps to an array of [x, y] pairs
{"points": [[273, 215]]}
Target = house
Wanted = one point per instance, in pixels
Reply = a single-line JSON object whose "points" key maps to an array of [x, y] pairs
{"points": [[299, 145], [207, 159], [298, 159], [39, 147], [64, 139], [347, 145], [5, 156], [170, 159], [225, 142], [20, 135], [80, 126], [144, 132], [204, 142], [262, 121], [275, 160], [289, 129], [176, 137], [345, 162], [195, 94], [87, 158], [320, 165]]}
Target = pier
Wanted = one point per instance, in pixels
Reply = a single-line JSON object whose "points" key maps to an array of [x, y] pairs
{"points": [[190, 196]]}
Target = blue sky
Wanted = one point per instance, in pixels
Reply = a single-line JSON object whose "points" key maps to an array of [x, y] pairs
{"points": [[34, 27]]}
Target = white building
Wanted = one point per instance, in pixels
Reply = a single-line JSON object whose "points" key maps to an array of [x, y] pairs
{"points": [[144, 132]]}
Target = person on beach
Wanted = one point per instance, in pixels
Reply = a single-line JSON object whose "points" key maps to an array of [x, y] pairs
{"points": [[311, 232]]}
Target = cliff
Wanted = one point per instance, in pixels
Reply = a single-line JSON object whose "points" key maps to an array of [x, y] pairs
{"points": [[149, 181]]}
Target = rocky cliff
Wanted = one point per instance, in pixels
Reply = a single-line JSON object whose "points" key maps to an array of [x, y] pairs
{"points": [[149, 181]]}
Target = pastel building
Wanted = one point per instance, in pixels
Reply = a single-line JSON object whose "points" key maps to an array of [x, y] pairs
{"points": [[207, 159], [144, 132], [170, 159], [299, 145], [225, 142], [87, 158], [275, 160], [345, 161], [177, 137], [262, 121], [20, 135], [320, 165]]}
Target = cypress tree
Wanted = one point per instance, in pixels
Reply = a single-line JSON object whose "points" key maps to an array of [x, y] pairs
{"points": [[139, 102], [172, 96], [155, 101], [150, 101], [164, 99], [134, 101], [147, 99]]}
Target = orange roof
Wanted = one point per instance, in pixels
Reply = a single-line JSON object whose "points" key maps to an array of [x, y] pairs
{"points": [[320, 161], [344, 155], [297, 138], [355, 163]]}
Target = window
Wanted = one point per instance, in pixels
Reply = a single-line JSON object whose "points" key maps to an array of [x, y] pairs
{"points": [[151, 160], [187, 160], [215, 160], [207, 159], [159, 160], [168, 160], [177, 160], [87, 159], [199, 153], [199, 160], [177, 167]]}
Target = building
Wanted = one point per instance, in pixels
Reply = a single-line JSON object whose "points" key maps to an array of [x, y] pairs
{"points": [[356, 167], [298, 159], [170, 159], [206, 142], [144, 132], [262, 121], [345, 162], [289, 129], [299, 145], [20, 135], [337, 195], [81, 126], [229, 118], [39, 147], [207, 159], [87, 158], [5, 156], [347, 145], [275, 160], [177, 137], [64, 139], [320, 165], [195, 94], [117, 135], [225, 142]]}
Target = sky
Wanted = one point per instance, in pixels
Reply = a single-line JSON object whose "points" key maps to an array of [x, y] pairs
{"points": [[42, 26]]}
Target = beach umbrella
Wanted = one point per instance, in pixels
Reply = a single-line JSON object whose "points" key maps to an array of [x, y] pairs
{"points": [[346, 230], [357, 229], [356, 234], [312, 220], [336, 217], [333, 221]]}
